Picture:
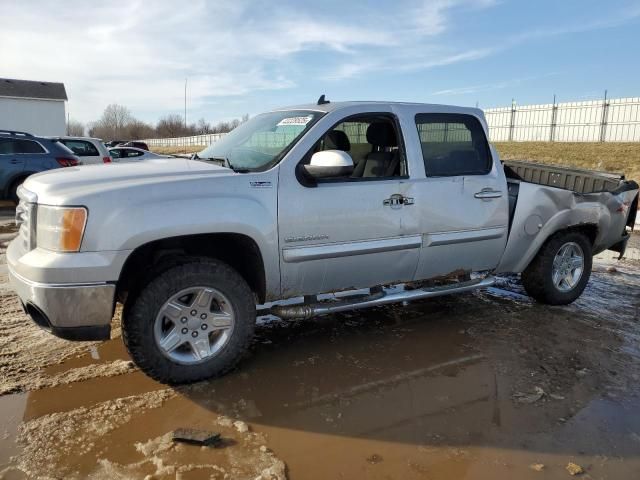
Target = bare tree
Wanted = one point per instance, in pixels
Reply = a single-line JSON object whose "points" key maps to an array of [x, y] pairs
{"points": [[113, 123], [173, 126], [75, 128], [117, 123], [203, 127], [137, 130]]}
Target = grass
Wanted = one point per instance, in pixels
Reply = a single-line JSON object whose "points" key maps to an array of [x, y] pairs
{"points": [[176, 150], [609, 157]]}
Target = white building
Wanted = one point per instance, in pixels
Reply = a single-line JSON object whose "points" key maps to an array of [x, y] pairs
{"points": [[33, 107]]}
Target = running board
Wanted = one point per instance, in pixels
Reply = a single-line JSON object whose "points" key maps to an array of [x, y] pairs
{"points": [[308, 310]]}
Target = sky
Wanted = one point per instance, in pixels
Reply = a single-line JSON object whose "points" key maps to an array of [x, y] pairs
{"points": [[248, 56]]}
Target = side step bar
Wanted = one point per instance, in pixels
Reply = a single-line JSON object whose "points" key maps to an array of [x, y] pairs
{"points": [[309, 310]]}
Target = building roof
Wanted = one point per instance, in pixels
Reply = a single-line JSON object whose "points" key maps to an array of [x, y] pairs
{"points": [[32, 89]]}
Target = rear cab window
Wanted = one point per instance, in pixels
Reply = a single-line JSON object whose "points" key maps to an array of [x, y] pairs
{"points": [[453, 145]]}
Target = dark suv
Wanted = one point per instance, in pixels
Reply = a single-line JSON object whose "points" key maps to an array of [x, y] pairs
{"points": [[22, 154]]}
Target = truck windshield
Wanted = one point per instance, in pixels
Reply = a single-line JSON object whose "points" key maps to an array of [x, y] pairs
{"points": [[261, 142]]}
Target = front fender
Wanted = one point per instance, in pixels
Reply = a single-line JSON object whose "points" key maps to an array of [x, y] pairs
{"points": [[139, 217]]}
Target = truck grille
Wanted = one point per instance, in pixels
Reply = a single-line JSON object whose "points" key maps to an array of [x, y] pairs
{"points": [[26, 218]]}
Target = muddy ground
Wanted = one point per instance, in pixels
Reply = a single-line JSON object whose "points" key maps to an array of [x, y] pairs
{"points": [[487, 385]]}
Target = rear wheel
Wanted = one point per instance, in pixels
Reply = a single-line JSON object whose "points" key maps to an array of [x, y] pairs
{"points": [[192, 321], [560, 271]]}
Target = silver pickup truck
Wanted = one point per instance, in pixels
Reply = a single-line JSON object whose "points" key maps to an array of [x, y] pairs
{"points": [[369, 202]]}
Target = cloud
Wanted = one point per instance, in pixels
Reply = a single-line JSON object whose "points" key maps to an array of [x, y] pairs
{"points": [[139, 53], [469, 89]]}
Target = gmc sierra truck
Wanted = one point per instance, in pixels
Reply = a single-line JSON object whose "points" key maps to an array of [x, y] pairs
{"points": [[369, 202]]}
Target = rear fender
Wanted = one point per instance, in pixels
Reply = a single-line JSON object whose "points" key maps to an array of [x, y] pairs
{"points": [[542, 211]]}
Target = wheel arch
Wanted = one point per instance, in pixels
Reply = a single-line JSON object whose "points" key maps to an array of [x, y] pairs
{"points": [[239, 251], [590, 230]]}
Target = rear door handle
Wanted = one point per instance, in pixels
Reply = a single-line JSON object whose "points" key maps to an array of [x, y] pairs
{"points": [[488, 193], [15, 161]]}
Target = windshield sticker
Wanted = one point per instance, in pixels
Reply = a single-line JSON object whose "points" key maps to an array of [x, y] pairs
{"points": [[295, 121]]}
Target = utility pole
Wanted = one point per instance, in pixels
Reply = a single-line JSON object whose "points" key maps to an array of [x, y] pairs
{"points": [[185, 103]]}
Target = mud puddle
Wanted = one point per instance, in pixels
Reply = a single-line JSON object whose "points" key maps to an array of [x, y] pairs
{"points": [[484, 385]]}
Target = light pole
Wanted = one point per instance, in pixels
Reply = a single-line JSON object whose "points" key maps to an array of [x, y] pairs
{"points": [[185, 103]]}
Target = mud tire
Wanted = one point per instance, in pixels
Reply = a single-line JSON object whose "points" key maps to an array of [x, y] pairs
{"points": [[141, 310], [537, 277]]}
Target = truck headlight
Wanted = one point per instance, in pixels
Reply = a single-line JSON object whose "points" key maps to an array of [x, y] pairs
{"points": [[60, 228]]}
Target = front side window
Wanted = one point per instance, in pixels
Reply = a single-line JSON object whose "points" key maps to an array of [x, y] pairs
{"points": [[373, 141], [261, 142], [7, 146], [453, 144]]}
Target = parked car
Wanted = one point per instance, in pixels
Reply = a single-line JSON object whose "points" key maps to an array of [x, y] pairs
{"points": [[136, 144], [131, 154], [114, 143], [367, 203], [22, 154], [90, 150]]}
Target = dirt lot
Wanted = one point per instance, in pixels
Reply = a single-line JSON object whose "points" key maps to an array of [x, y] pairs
{"points": [[488, 385]]}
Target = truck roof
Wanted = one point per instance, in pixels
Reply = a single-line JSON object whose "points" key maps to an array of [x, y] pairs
{"points": [[333, 106]]}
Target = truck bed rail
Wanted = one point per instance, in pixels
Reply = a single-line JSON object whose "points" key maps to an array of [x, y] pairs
{"points": [[574, 179]]}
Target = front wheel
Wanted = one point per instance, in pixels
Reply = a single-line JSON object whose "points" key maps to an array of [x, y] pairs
{"points": [[191, 322], [560, 271]]}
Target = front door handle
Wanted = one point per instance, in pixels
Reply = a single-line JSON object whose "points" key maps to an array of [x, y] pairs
{"points": [[396, 201], [14, 161], [488, 193]]}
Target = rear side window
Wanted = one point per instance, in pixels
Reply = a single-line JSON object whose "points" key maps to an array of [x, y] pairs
{"points": [[453, 144], [27, 146], [133, 153], [81, 148]]}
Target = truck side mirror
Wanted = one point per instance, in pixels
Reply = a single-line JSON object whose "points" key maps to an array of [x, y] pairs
{"points": [[329, 164]]}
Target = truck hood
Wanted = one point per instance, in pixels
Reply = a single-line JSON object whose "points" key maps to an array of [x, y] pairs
{"points": [[65, 185]]}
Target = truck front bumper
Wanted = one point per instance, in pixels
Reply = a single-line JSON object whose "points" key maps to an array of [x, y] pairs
{"points": [[58, 292], [70, 311]]}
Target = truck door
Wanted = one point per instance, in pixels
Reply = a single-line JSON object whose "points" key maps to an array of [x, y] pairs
{"points": [[463, 202], [349, 232]]}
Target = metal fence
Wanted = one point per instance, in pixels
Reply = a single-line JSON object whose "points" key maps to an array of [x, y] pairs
{"points": [[607, 120], [195, 140]]}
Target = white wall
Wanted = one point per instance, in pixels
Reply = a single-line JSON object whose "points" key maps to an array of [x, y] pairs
{"points": [[39, 117]]}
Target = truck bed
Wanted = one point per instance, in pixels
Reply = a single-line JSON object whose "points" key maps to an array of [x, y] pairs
{"points": [[574, 179]]}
